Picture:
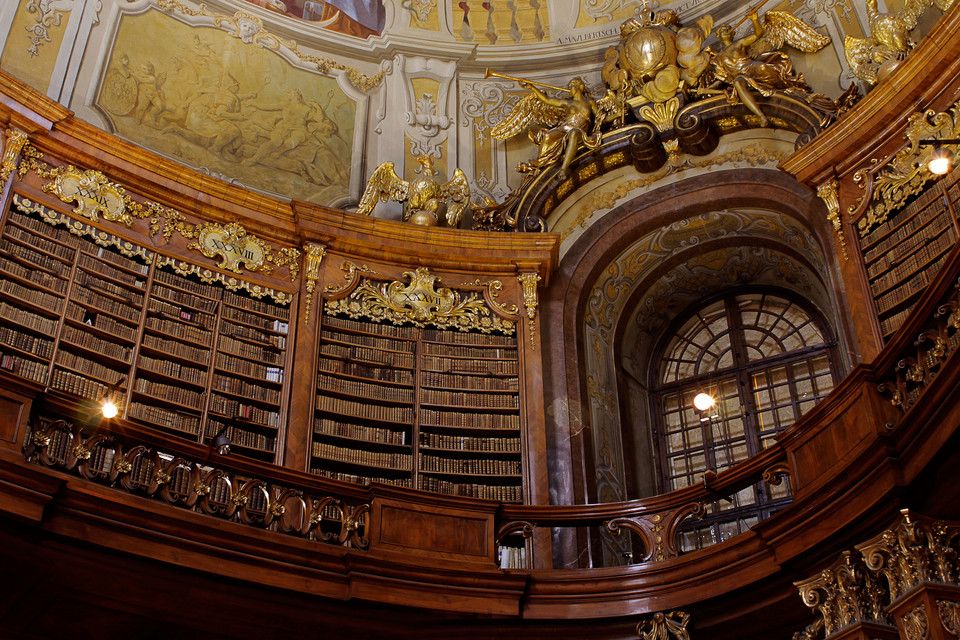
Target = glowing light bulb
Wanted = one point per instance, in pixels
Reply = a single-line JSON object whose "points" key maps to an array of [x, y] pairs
{"points": [[109, 409], [940, 162], [703, 401]]}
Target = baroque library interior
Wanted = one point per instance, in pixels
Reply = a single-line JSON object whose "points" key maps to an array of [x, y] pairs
{"points": [[412, 319]]}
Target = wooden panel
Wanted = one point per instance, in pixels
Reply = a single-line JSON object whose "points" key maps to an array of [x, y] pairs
{"points": [[14, 411], [431, 531]]}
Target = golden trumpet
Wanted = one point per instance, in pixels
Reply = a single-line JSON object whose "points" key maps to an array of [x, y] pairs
{"points": [[490, 74], [752, 9]]}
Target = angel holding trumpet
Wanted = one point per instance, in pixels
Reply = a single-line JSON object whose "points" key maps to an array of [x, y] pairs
{"points": [[566, 123]]}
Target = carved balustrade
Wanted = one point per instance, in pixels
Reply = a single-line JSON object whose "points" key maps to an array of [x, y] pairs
{"points": [[196, 485]]}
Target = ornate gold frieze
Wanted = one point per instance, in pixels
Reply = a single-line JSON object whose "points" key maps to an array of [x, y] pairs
{"points": [[888, 185], [12, 145], [915, 551], [209, 276], [235, 247], [92, 193], [419, 303], [665, 626], [350, 275], [249, 29], [829, 193], [844, 594], [78, 228], [314, 253]]}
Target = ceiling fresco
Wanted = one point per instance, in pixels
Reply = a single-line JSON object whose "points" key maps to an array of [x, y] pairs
{"points": [[305, 98]]}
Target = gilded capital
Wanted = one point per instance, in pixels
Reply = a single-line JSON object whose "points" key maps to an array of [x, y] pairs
{"points": [[844, 594], [314, 255], [829, 193], [12, 147]]}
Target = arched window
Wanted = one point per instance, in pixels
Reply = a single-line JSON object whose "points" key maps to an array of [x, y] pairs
{"points": [[766, 360]]}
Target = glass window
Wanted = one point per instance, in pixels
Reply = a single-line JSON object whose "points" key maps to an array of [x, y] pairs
{"points": [[765, 359]]}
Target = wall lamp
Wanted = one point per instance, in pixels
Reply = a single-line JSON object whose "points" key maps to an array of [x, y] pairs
{"points": [[941, 160], [108, 403]]}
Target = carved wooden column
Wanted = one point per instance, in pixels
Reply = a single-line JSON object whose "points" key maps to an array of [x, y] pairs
{"points": [[918, 559]]}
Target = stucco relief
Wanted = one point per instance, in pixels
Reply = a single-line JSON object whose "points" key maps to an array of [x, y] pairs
{"points": [[225, 102], [617, 282]]}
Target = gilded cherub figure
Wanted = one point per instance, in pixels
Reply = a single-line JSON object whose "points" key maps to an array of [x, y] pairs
{"points": [[566, 123], [423, 198], [754, 62]]}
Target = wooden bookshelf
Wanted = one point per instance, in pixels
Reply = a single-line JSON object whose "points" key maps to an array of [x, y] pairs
{"points": [[435, 409], [194, 358], [902, 255]]}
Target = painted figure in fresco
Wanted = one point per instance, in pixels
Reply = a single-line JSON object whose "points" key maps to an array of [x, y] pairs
{"points": [[755, 63], [361, 18]]}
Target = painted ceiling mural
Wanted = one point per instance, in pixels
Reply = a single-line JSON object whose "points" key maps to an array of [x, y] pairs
{"points": [[208, 102], [304, 98]]}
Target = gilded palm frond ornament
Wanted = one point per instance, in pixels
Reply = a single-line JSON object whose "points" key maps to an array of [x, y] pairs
{"points": [[424, 199], [873, 58]]}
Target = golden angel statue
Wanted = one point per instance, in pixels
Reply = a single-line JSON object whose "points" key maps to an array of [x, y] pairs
{"points": [[566, 123], [423, 198], [755, 62], [873, 58]]}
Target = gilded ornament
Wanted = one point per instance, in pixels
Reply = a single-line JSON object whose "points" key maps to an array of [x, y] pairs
{"points": [[41, 439], [566, 124], [875, 57], [419, 303], [915, 551], [80, 229], [845, 593], [92, 193], [314, 254], [350, 275], [494, 287], [277, 509], [81, 452], [829, 193], [665, 626], [914, 622], [888, 186], [123, 466], [12, 146], [529, 282], [207, 276], [661, 114], [235, 247], [949, 613], [162, 477], [424, 198], [657, 58]]}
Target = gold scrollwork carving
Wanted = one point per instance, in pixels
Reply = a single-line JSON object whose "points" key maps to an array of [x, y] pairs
{"points": [[12, 146], [314, 254], [232, 284], [249, 29], [93, 194], [844, 594], [236, 246], [78, 228], [888, 185], [829, 193], [494, 287], [661, 114], [420, 303], [350, 275], [665, 626]]}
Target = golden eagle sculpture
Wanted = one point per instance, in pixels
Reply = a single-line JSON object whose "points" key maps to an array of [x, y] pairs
{"points": [[873, 58], [424, 198]]}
